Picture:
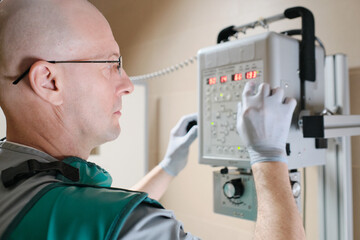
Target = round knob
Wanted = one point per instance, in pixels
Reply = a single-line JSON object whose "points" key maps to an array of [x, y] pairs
{"points": [[233, 188], [296, 189]]}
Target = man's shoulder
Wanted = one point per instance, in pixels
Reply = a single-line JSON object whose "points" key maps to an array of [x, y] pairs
{"points": [[95, 212], [150, 222]]}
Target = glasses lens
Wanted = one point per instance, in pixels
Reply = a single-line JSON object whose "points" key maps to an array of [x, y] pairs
{"points": [[120, 65]]}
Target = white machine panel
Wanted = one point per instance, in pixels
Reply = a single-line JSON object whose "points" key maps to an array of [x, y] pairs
{"points": [[223, 71]]}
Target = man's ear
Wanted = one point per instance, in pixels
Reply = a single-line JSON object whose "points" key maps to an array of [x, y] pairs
{"points": [[45, 82]]}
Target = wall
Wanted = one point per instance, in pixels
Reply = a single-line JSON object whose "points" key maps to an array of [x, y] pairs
{"points": [[154, 34]]}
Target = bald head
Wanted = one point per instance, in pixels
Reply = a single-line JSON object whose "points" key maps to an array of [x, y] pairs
{"points": [[45, 29]]}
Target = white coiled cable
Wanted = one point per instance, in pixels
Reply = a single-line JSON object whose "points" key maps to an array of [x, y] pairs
{"points": [[164, 71]]}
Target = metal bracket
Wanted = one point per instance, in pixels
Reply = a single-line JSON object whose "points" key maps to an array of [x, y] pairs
{"points": [[331, 126]]}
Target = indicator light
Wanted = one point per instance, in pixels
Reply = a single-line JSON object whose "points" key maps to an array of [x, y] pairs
{"points": [[237, 77], [223, 79], [211, 81], [251, 74]]}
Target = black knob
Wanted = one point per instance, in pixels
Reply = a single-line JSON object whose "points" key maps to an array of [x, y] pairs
{"points": [[190, 125], [233, 188]]}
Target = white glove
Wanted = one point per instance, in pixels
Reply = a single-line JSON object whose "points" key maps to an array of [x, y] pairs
{"points": [[178, 149], [263, 122]]}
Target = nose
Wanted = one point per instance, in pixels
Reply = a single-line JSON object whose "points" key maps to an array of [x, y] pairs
{"points": [[125, 85]]}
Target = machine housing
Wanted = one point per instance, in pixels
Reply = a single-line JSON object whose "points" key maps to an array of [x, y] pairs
{"points": [[223, 71]]}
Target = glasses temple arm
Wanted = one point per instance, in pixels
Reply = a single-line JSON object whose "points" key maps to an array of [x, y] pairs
{"points": [[21, 77]]}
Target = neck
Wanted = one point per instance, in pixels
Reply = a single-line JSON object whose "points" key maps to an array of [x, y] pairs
{"points": [[49, 135]]}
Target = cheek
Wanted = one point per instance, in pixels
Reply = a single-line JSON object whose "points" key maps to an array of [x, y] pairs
{"points": [[89, 94], [106, 73], [103, 101]]}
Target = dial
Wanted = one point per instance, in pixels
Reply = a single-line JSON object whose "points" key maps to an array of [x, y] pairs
{"points": [[296, 189], [234, 188]]}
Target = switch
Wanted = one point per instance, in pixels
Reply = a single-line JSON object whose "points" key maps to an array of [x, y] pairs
{"points": [[233, 189]]}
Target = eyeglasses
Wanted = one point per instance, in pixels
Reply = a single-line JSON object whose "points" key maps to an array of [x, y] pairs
{"points": [[119, 61]]}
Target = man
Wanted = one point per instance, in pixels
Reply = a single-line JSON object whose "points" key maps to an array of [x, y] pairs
{"points": [[61, 89]]}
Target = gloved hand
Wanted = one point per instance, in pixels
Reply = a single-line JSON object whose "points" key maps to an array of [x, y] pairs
{"points": [[178, 149], [263, 122]]}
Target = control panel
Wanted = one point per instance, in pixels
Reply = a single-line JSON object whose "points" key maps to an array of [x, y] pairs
{"points": [[223, 87], [235, 194], [223, 72]]}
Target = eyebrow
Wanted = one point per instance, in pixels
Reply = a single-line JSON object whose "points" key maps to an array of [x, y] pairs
{"points": [[105, 57], [116, 55]]}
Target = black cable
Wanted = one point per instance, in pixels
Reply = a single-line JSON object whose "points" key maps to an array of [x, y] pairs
{"points": [[307, 43], [293, 32], [224, 34], [302, 95]]}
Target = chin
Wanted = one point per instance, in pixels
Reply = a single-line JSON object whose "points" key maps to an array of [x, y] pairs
{"points": [[110, 135], [115, 133]]}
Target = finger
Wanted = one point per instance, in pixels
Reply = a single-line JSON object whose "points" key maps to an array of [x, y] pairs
{"points": [[249, 89], [278, 94], [264, 90], [191, 135], [191, 117], [291, 103], [180, 128]]}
